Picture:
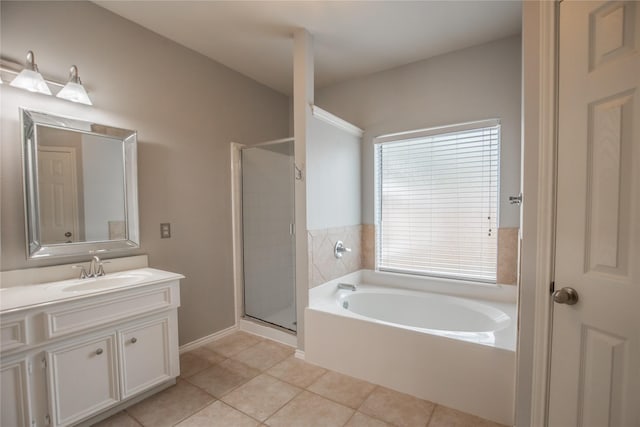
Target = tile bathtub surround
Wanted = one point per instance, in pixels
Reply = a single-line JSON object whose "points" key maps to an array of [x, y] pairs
{"points": [[368, 246], [221, 390], [507, 265], [323, 265], [507, 273]]}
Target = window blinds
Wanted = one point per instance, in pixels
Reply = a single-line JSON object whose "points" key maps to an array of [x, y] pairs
{"points": [[437, 199]]}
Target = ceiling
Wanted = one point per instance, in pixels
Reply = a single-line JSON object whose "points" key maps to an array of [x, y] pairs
{"points": [[351, 38]]}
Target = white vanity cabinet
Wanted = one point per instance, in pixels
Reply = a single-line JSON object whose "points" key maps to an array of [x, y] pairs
{"points": [[90, 351], [82, 378]]}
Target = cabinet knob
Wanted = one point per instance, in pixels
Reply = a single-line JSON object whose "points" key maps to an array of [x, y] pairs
{"points": [[134, 340], [99, 351]]}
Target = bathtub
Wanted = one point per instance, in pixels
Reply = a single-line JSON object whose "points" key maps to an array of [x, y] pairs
{"points": [[456, 349]]}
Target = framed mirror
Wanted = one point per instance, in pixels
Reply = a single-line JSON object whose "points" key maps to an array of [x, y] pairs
{"points": [[80, 186]]}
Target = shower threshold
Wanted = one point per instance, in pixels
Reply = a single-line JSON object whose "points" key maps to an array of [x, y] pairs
{"points": [[268, 330], [270, 324]]}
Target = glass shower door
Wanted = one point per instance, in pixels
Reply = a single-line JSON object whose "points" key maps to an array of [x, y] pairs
{"points": [[267, 229]]}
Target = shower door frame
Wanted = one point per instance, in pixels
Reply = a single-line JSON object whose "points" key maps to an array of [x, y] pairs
{"points": [[243, 321]]}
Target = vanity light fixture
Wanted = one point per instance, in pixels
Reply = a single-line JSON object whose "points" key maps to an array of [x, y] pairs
{"points": [[30, 78], [73, 90]]}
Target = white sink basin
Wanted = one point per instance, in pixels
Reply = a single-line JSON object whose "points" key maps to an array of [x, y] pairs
{"points": [[104, 282]]}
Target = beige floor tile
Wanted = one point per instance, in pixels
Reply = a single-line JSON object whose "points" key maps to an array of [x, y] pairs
{"points": [[223, 377], [264, 354], [310, 410], [447, 417], [296, 372], [170, 406], [208, 355], [397, 408], [234, 343], [362, 420], [261, 397], [343, 389], [121, 419], [219, 415], [190, 364]]}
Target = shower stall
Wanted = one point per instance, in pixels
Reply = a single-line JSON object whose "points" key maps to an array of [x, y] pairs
{"points": [[268, 240]]}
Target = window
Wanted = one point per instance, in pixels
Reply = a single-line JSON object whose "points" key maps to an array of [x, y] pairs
{"points": [[437, 201]]}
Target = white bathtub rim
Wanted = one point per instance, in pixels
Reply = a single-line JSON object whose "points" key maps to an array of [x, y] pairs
{"points": [[459, 288]]}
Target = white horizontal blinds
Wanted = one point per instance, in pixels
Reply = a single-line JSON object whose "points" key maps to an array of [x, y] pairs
{"points": [[437, 204]]}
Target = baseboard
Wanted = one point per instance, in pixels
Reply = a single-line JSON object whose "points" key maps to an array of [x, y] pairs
{"points": [[209, 338], [299, 354]]}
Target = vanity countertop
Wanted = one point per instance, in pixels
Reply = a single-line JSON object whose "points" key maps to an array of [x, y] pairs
{"points": [[25, 297]]}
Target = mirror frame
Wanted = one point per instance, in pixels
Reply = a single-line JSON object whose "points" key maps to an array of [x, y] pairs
{"points": [[29, 120]]}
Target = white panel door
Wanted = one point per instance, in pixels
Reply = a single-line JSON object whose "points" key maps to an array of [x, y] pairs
{"points": [[145, 356], [595, 356], [57, 182], [14, 393], [83, 379]]}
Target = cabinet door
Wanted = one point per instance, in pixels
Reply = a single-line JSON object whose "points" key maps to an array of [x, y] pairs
{"points": [[145, 356], [15, 401], [83, 379]]}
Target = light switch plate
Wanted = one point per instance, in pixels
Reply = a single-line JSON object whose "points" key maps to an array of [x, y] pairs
{"points": [[165, 230]]}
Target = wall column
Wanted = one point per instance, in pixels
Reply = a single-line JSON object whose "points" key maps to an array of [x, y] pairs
{"points": [[303, 87]]}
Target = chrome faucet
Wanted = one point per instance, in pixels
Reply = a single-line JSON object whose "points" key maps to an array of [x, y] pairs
{"points": [[339, 249], [347, 286], [95, 268]]}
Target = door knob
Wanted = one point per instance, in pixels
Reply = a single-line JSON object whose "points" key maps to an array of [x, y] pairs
{"points": [[566, 295], [67, 234]]}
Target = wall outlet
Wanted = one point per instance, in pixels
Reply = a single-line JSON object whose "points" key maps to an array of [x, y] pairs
{"points": [[165, 230]]}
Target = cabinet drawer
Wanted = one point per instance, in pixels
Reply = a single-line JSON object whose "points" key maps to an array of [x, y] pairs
{"points": [[83, 379], [83, 316], [13, 333], [145, 356]]}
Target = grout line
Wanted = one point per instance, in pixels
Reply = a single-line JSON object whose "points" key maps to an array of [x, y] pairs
{"points": [[283, 405], [208, 362], [433, 411], [195, 411], [242, 412], [352, 415], [131, 415]]}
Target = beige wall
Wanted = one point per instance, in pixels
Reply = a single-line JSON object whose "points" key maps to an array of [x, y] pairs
{"points": [[480, 82], [186, 109]]}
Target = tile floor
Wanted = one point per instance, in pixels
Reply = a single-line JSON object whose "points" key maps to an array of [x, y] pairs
{"points": [[244, 380]]}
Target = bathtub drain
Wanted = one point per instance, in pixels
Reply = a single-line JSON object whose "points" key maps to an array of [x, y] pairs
{"points": [[345, 305]]}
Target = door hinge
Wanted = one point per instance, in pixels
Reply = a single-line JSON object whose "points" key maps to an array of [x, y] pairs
{"points": [[47, 420], [552, 288], [30, 368], [44, 363]]}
